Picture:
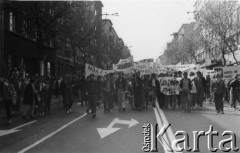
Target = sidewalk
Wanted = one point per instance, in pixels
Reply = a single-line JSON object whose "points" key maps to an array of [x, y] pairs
{"points": [[55, 104]]}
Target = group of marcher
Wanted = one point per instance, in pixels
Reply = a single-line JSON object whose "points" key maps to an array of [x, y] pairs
{"points": [[32, 95]]}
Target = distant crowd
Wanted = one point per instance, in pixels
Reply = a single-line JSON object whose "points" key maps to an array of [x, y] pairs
{"points": [[32, 95]]}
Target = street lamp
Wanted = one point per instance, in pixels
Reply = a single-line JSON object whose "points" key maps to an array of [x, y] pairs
{"points": [[113, 14], [191, 12], [176, 34]]}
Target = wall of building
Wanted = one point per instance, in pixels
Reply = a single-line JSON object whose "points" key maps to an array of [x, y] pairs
{"points": [[1, 39]]}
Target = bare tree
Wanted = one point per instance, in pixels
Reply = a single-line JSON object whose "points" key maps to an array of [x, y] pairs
{"points": [[219, 20]]}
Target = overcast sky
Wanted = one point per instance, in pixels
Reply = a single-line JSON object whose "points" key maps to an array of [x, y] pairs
{"points": [[146, 25]]}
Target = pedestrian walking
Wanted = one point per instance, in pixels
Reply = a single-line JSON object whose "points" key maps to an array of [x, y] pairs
{"points": [[155, 86], [29, 98], [185, 88], [121, 87], [138, 91], [9, 98], [66, 88], [234, 91], [92, 92], [200, 84], [48, 89], [107, 84], [146, 87], [219, 91], [193, 91]]}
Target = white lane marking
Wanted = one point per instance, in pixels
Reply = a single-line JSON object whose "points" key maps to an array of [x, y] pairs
{"points": [[51, 134], [160, 125], [165, 122], [24, 125], [13, 130]]}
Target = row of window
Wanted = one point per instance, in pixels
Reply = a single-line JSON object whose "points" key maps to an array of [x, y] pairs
{"points": [[24, 28]]}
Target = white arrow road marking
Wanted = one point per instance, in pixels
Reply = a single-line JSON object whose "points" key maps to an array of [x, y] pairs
{"points": [[6, 132], [104, 132]]}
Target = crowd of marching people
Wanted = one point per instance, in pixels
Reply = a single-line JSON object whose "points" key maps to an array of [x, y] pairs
{"points": [[32, 95]]}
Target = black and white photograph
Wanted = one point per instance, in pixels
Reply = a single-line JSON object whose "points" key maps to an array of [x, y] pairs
{"points": [[119, 76]]}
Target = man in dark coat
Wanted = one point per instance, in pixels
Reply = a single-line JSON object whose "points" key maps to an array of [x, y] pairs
{"points": [[155, 87], [185, 88], [92, 92], [66, 89], [107, 91], [138, 91], [219, 92], [235, 91], [200, 85], [8, 95], [29, 98]]}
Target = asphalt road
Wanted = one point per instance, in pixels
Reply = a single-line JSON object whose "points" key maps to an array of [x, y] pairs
{"points": [[115, 132]]}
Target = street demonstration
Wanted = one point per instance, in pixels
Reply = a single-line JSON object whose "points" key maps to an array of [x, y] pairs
{"points": [[138, 84], [183, 87]]}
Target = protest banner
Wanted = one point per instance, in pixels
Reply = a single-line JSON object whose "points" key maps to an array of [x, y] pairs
{"points": [[144, 66], [169, 85], [126, 60], [227, 73], [124, 65], [90, 69]]}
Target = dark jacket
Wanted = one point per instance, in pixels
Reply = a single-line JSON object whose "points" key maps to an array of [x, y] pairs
{"points": [[8, 92], [57, 87], [219, 87], [121, 84], [1, 89], [189, 84], [200, 84], [108, 86], [138, 84], [235, 85], [157, 83], [28, 97], [92, 87]]}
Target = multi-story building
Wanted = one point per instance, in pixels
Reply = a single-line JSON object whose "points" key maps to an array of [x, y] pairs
{"points": [[1, 39], [24, 49], [69, 60], [112, 45], [183, 42], [21, 48]]}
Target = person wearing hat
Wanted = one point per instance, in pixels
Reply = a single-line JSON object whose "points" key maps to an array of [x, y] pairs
{"points": [[234, 91], [185, 88], [219, 92]]}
